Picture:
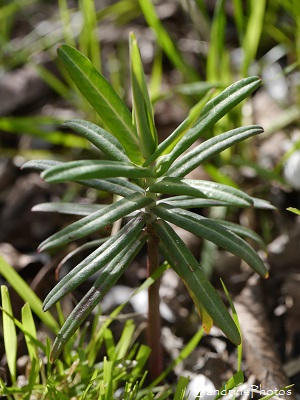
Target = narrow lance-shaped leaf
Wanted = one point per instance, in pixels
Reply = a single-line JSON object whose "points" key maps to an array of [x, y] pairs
{"points": [[106, 280], [168, 144], [97, 220], [213, 232], [103, 98], [202, 189], [214, 110], [191, 273], [242, 231], [142, 108], [96, 260], [206, 319], [91, 169], [102, 139], [118, 186], [187, 202], [210, 148], [68, 208]]}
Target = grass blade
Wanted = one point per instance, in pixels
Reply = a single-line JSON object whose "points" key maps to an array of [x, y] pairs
{"points": [[9, 333], [29, 331], [164, 40], [27, 294]]}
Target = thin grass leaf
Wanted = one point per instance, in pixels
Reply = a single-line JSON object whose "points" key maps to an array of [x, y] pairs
{"points": [[29, 331], [9, 333], [100, 94], [202, 189], [165, 41], [215, 57], [96, 260], [89, 42], [96, 220], [44, 128], [253, 33], [68, 208], [106, 280], [125, 340], [236, 320], [27, 294], [214, 232], [239, 19], [214, 110], [102, 139], [142, 108], [210, 148], [91, 169], [65, 17], [187, 267], [236, 380], [181, 388]]}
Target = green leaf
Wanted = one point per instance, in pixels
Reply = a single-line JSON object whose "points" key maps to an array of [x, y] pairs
{"points": [[233, 382], [210, 148], [45, 128], [185, 264], [294, 210], [9, 333], [214, 232], [96, 260], [118, 186], [165, 41], [102, 97], [142, 108], [96, 220], [68, 208], [168, 144], [109, 276], [242, 231], [89, 169], [202, 189], [102, 139], [187, 202], [27, 294], [29, 331], [40, 165], [214, 110]]}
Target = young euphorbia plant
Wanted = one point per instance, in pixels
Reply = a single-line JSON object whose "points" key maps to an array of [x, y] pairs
{"points": [[141, 172]]}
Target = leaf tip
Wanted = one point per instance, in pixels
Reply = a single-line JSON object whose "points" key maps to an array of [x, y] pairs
{"points": [[266, 276]]}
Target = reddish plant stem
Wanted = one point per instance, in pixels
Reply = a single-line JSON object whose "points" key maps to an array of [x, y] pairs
{"points": [[155, 365]]}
